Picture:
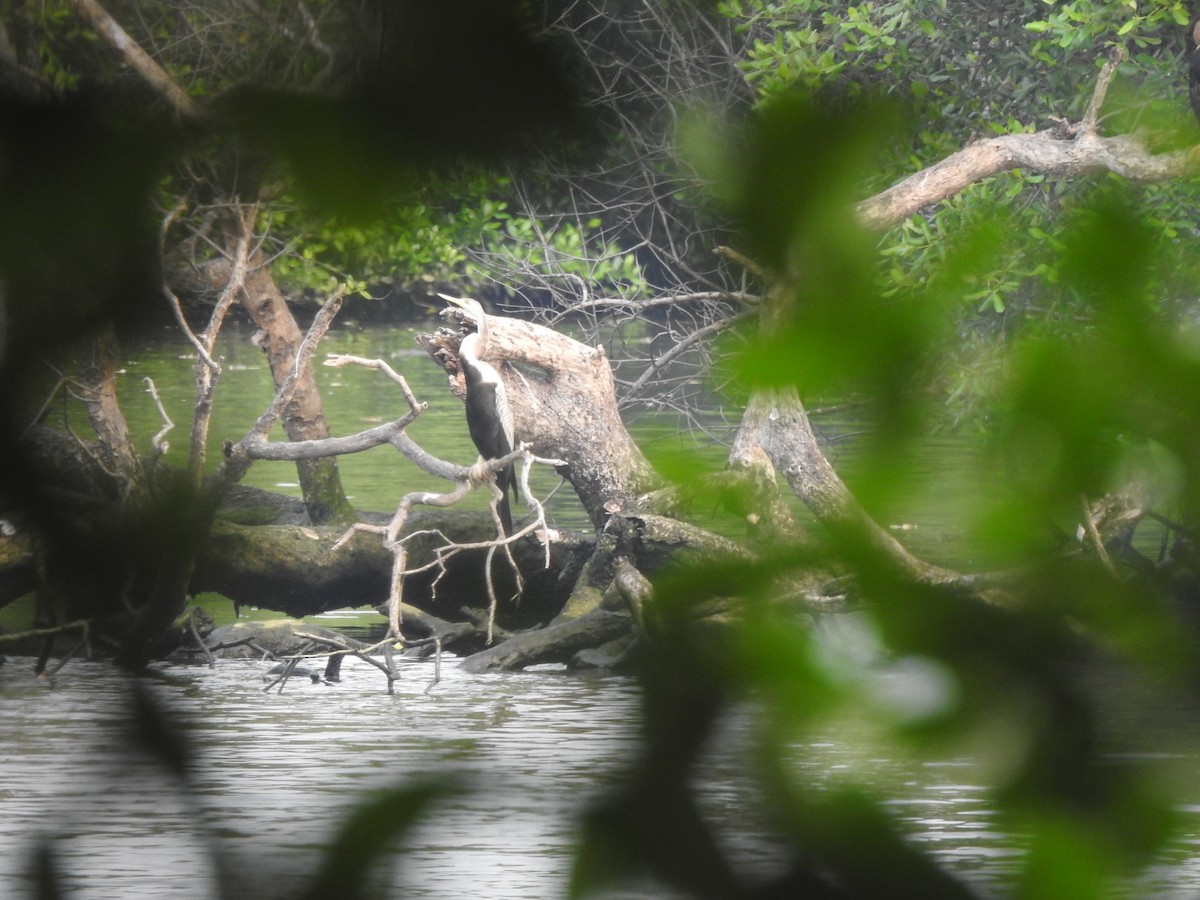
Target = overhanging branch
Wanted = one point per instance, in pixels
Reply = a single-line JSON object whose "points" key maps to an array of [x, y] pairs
{"points": [[134, 56], [1061, 150], [1048, 152]]}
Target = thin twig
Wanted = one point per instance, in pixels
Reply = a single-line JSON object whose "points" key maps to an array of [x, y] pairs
{"points": [[42, 410], [199, 640], [160, 446], [1092, 113], [337, 360], [437, 664], [680, 346], [76, 625], [1089, 525]]}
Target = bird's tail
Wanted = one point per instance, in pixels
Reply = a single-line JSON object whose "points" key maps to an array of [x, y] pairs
{"points": [[505, 514], [506, 478]]}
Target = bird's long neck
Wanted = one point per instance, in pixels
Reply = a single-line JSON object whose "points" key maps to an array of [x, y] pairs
{"points": [[481, 329], [471, 348], [478, 371]]}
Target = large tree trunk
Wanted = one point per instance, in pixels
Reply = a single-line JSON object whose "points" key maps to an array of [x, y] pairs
{"points": [[304, 416], [776, 421], [298, 571], [99, 395], [567, 411]]}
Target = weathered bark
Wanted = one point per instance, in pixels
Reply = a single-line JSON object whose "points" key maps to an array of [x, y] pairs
{"points": [[775, 421], [553, 644], [1064, 149], [567, 411], [304, 417], [1054, 151], [262, 552], [100, 399], [610, 598], [295, 570], [290, 568], [769, 519]]}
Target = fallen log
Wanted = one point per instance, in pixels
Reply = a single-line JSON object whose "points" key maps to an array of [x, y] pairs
{"points": [[296, 570], [552, 644]]}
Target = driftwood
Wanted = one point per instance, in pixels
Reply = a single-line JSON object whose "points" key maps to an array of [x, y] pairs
{"points": [[564, 406], [1053, 151], [295, 569], [266, 553], [556, 643]]}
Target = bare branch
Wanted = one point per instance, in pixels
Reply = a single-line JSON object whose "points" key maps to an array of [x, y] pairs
{"points": [[158, 442], [336, 360], [201, 347], [316, 331], [135, 57], [1092, 113], [237, 457], [1046, 152], [82, 625], [1093, 535], [1073, 150], [256, 446], [683, 345], [207, 369]]}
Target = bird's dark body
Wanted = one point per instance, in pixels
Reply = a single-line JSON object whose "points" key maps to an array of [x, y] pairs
{"points": [[488, 436], [489, 418]]}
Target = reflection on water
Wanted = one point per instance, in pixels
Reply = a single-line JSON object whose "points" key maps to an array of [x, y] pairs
{"points": [[276, 772]]}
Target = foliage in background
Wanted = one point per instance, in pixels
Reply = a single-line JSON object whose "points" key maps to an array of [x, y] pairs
{"points": [[969, 70]]}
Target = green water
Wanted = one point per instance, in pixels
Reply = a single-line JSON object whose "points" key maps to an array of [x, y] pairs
{"points": [[934, 507], [355, 398]]}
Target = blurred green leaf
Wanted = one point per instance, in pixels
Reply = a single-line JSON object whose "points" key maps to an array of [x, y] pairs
{"points": [[370, 833], [44, 873], [410, 110], [80, 238], [157, 730]]}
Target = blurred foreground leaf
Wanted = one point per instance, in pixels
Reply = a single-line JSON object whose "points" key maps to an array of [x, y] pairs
{"points": [[444, 84], [156, 730], [80, 236], [369, 834], [44, 871]]}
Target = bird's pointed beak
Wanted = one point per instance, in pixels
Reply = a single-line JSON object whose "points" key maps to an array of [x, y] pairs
{"points": [[461, 303]]}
